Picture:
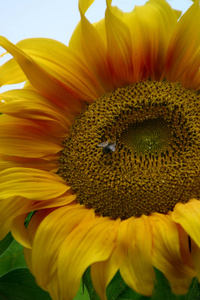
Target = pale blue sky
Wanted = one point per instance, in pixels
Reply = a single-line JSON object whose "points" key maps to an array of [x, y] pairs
{"points": [[55, 19]]}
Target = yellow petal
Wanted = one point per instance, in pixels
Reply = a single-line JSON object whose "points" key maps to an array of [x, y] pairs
{"points": [[91, 241], [188, 216], [42, 80], [102, 272], [40, 108], [49, 237], [11, 73], [136, 269], [185, 248], [63, 64], [156, 22], [191, 76], [25, 138], [84, 5], [33, 225], [31, 183], [166, 253], [19, 231], [46, 164], [195, 254], [61, 200], [184, 43], [10, 208], [119, 49], [89, 45], [17, 103]]}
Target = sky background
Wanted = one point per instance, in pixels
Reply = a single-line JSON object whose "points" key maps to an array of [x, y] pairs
{"points": [[56, 19]]}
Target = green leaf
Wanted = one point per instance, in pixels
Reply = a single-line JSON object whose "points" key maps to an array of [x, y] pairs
{"points": [[12, 258], [87, 282], [28, 218], [20, 284], [162, 289], [82, 293], [5, 243], [118, 290]]}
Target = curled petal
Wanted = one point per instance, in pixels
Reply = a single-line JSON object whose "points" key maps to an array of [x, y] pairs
{"points": [[195, 255], [10, 209], [19, 231], [167, 255], [188, 216]]}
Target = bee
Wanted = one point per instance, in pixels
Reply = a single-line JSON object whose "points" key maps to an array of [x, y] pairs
{"points": [[108, 146]]}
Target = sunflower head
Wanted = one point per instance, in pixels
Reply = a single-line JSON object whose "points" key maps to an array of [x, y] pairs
{"points": [[102, 144]]}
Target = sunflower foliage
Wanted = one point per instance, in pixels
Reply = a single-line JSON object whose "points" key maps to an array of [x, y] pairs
{"points": [[17, 282], [118, 290]]}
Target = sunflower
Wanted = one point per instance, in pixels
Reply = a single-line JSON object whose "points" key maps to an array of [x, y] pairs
{"points": [[102, 146]]}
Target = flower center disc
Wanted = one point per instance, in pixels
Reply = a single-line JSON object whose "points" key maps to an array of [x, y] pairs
{"points": [[136, 150]]}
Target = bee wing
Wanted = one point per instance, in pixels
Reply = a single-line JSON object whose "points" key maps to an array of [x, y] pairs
{"points": [[103, 144], [112, 147]]}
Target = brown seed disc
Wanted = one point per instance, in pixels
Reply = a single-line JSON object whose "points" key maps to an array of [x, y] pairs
{"points": [[135, 150]]}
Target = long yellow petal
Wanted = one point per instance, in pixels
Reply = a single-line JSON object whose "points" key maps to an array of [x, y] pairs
{"points": [[63, 64], [25, 138], [184, 43], [40, 108], [92, 241], [191, 76], [89, 45], [42, 80], [137, 269], [195, 254], [119, 47], [49, 237], [19, 231], [31, 105], [185, 249], [156, 22], [49, 164], [62, 200], [31, 183], [11, 73], [84, 5], [33, 225], [102, 272], [166, 253], [12, 207]]}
